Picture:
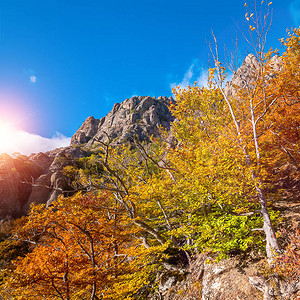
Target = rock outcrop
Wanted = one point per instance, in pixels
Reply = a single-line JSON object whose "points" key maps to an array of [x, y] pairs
{"points": [[246, 74], [52, 182], [37, 178], [14, 191], [87, 130], [137, 116], [233, 278]]}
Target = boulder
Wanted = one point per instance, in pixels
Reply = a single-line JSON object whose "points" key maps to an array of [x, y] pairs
{"points": [[15, 188]]}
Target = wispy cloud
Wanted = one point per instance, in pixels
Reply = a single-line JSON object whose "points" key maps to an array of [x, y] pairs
{"points": [[188, 76], [32, 79], [30, 75], [202, 78], [295, 11], [194, 73], [27, 143]]}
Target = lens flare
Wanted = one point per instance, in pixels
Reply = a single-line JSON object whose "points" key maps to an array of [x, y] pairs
{"points": [[7, 137]]}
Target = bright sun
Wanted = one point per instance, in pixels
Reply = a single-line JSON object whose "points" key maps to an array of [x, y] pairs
{"points": [[7, 137]]}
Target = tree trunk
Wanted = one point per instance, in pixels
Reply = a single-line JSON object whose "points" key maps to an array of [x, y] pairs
{"points": [[272, 247]]}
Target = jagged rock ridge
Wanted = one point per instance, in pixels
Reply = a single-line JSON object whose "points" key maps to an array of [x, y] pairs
{"points": [[245, 75], [137, 116]]}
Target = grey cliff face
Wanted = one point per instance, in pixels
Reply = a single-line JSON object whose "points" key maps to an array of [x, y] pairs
{"points": [[34, 179], [137, 116]]}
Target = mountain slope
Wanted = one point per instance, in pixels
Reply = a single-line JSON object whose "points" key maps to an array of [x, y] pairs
{"points": [[39, 177]]}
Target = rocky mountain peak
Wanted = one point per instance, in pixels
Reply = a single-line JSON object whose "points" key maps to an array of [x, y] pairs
{"points": [[139, 116], [86, 131], [246, 74]]}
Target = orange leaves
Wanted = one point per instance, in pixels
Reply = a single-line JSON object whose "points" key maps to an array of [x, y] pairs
{"points": [[77, 241], [251, 27], [283, 133]]}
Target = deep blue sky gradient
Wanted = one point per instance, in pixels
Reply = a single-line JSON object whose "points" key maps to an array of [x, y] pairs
{"points": [[87, 55]]}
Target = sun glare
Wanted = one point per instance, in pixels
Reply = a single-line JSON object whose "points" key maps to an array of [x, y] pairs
{"points": [[14, 140], [7, 137]]}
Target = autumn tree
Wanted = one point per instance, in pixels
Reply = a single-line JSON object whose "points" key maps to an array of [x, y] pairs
{"points": [[79, 250], [212, 180], [129, 172], [254, 106]]}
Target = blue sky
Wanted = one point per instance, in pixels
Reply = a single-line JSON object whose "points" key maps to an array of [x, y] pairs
{"points": [[62, 61]]}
